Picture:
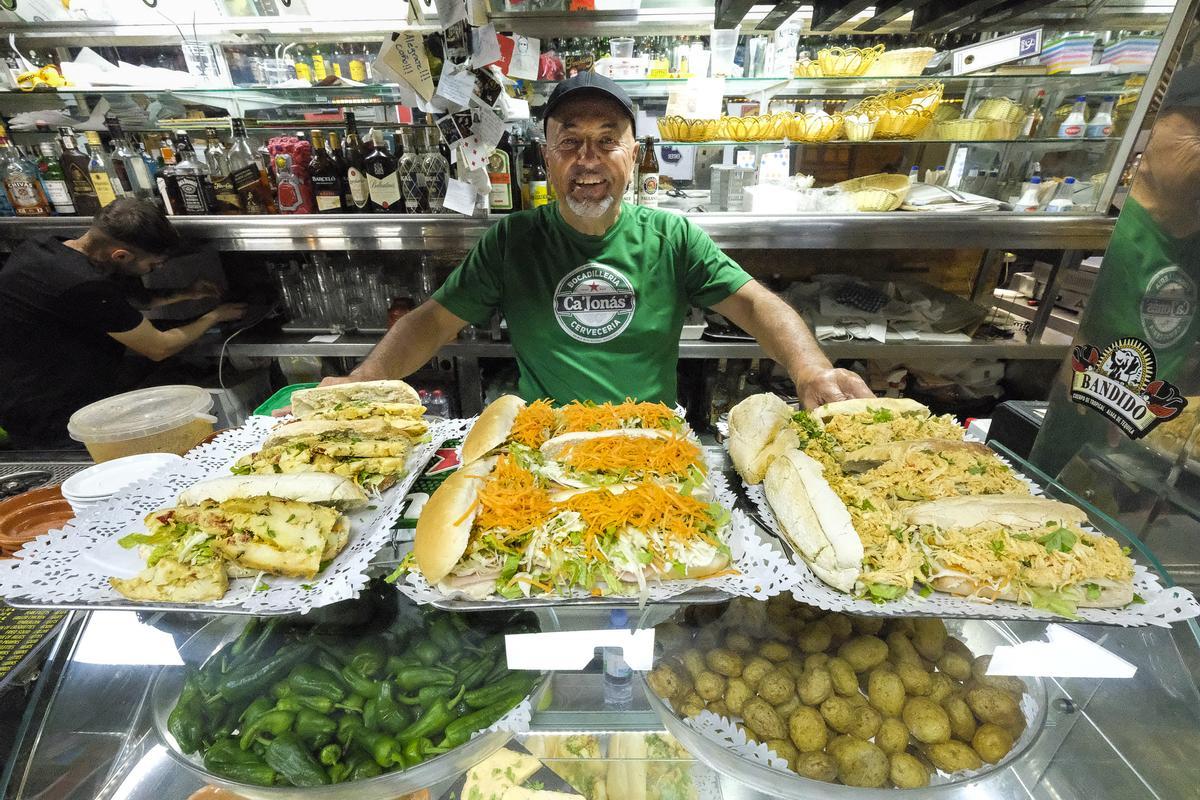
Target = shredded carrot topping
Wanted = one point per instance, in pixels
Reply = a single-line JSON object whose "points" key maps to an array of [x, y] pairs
{"points": [[647, 506], [535, 423], [671, 455], [512, 499], [611, 416]]}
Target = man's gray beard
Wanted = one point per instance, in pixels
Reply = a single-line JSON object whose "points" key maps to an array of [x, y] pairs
{"points": [[589, 209]]}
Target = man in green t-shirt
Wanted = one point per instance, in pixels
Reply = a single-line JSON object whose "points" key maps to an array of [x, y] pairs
{"points": [[594, 290]]}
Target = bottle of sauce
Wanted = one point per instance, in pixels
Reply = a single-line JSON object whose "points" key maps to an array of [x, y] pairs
{"points": [[1075, 125], [648, 175], [1101, 125]]}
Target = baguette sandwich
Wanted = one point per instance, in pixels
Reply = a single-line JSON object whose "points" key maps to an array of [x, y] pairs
{"points": [[760, 431], [358, 400], [925, 469], [281, 524], [495, 527], [854, 424], [1023, 549]]}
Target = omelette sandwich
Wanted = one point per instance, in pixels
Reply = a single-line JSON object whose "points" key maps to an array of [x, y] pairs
{"points": [[358, 400]]}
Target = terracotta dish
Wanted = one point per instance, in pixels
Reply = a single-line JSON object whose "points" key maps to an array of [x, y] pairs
{"points": [[31, 514]]}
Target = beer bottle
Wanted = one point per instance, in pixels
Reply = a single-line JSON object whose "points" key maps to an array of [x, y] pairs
{"points": [[648, 175], [539, 194]]}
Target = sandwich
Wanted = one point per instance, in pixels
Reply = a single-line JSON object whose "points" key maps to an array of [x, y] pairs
{"points": [[926, 469], [509, 422], [1023, 549], [577, 759], [760, 430], [603, 458], [358, 400], [649, 766], [495, 527], [854, 424], [280, 524]]}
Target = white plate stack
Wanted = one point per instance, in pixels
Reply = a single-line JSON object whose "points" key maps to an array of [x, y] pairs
{"points": [[91, 487]]}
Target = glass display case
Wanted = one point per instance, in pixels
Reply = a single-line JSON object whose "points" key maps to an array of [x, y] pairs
{"points": [[962, 708]]}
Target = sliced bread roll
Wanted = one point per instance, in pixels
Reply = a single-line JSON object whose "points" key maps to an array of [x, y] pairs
{"points": [[756, 427], [900, 405], [491, 430], [307, 487], [444, 527]]}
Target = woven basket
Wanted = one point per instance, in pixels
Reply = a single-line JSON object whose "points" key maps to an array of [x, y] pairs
{"points": [[947, 110], [681, 129], [859, 127], [847, 62], [901, 63], [754, 129], [927, 96], [879, 192], [908, 124], [807, 69], [814, 127], [1003, 130], [1000, 108], [962, 130]]}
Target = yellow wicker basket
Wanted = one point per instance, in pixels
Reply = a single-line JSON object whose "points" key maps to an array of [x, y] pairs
{"points": [[859, 127], [1004, 109], [847, 62], [1003, 130], [908, 124], [927, 96], [947, 110], [807, 68], [753, 129], [901, 63], [962, 130], [814, 127], [681, 129], [879, 192]]}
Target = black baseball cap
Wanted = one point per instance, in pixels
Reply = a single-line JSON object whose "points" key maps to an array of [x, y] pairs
{"points": [[588, 82]]}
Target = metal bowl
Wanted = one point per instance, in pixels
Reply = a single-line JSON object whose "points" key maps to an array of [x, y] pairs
{"points": [[981, 636], [444, 768]]}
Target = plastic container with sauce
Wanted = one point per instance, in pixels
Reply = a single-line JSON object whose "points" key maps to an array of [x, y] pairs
{"points": [[161, 419]]}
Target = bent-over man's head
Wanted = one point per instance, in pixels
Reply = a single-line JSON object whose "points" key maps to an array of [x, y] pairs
{"points": [[130, 236], [590, 146]]}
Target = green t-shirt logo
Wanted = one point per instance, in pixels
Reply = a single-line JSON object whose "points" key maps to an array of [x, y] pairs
{"points": [[594, 303]]}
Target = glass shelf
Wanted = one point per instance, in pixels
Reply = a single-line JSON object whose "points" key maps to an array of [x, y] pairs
{"points": [[991, 142]]}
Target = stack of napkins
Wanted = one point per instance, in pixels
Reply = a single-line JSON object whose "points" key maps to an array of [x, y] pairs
{"points": [[1068, 52], [924, 197], [1132, 54]]}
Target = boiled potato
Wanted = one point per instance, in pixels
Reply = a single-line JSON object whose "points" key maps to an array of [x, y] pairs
{"points": [[710, 685], [724, 661], [775, 651], [785, 710], [814, 660], [955, 665], [870, 626], [926, 720], [940, 687], [962, 721], [839, 627], [916, 680], [958, 646], [664, 681], [892, 736], [784, 749], [751, 736], [862, 764], [691, 705], [902, 625], [777, 686], [817, 766], [738, 642], [806, 728], [991, 742], [995, 705], [794, 667], [866, 722], [693, 662], [736, 694], [837, 743], [907, 772], [952, 756], [839, 713], [814, 686], [719, 708], [885, 690], [815, 637], [929, 637], [708, 638], [864, 652], [761, 718], [845, 682], [901, 650], [1009, 683], [756, 667]]}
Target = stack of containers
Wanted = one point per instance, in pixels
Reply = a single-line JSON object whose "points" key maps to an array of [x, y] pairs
{"points": [[1068, 52], [1131, 54], [92, 487]]}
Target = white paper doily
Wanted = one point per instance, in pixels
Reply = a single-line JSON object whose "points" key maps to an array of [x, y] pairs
{"points": [[71, 567], [762, 568]]}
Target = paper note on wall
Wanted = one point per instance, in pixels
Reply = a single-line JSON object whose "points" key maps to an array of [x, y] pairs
{"points": [[403, 58]]}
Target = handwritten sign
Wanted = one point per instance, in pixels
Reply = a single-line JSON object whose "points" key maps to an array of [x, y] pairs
{"points": [[403, 58]]}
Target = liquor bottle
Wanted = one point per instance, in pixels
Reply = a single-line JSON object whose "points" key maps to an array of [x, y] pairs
{"points": [[358, 66], [648, 175], [54, 180], [339, 162], [410, 174], [75, 167], [247, 175], [228, 199], [302, 65], [356, 175], [291, 188], [167, 151], [1075, 125], [326, 181], [100, 171], [526, 161], [6, 209], [383, 184], [21, 183], [539, 190], [319, 68], [1033, 122], [193, 179], [501, 170], [436, 171], [337, 61], [128, 162]]}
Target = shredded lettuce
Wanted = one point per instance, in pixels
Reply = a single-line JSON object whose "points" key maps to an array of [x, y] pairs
{"points": [[880, 593], [1093, 591], [1055, 602]]}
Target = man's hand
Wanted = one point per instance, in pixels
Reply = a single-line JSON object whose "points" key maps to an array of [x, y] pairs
{"points": [[227, 312], [201, 289], [828, 385]]}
